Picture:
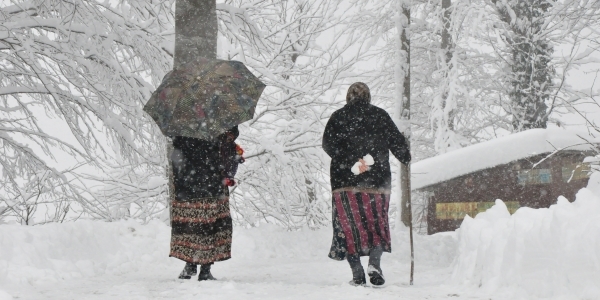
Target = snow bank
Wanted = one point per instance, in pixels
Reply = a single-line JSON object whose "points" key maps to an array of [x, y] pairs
{"points": [[535, 252], [54, 252], [5, 296], [496, 152]]}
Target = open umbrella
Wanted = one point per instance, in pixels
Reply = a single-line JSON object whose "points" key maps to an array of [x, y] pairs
{"points": [[205, 98]]}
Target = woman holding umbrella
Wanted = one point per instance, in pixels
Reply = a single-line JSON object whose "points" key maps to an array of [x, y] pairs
{"points": [[199, 105], [358, 138], [200, 219]]}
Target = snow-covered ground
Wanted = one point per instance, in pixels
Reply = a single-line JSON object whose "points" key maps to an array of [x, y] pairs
{"points": [[126, 260], [548, 253]]}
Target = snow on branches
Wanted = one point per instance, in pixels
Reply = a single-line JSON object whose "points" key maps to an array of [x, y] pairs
{"points": [[87, 66], [304, 51]]}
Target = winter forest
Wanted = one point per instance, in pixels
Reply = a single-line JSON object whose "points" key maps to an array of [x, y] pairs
{"points": [[471, 84]]}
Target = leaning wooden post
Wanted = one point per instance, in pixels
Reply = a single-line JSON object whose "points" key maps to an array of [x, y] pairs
{"points": [[196, 30], [403, 112]]}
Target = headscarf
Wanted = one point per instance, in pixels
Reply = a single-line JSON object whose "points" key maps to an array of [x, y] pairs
{"points": [[358, 92]]}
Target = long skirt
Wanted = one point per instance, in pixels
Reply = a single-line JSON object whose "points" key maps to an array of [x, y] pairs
{"points": [[201, 230], [360, 223]]}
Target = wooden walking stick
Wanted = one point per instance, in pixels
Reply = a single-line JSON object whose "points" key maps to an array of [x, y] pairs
{"points": [[407, 214], [410, 227]]}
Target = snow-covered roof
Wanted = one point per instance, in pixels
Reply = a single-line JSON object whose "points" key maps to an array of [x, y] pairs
{"points": [[496, 152]]}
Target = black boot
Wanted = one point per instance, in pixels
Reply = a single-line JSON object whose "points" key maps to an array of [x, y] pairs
{"points": [[188, 271], [205, 273], [374, 269], [358, 273]]}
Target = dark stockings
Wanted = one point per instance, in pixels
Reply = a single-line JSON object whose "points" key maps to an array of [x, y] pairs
{"points": [[191, 269], [375, 257], [205, 272], [358, 273], [188, 271], [205, 269], [374, 270]]}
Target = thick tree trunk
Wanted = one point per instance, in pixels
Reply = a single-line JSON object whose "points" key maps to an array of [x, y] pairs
{"points": [[196, 30]]}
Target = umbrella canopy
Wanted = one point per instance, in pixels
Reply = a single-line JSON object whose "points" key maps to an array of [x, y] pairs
{"points": [[205, 98]]}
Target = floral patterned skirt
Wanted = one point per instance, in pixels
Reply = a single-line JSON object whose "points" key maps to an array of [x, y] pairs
{"points": [[360, 223], [201, 230]]}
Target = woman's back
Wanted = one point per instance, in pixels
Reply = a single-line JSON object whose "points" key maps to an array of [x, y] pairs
{"points": [[354, 131], [361, 194]]}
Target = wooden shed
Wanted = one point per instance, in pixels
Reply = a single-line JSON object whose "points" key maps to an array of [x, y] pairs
{"points": [[531, 168]]}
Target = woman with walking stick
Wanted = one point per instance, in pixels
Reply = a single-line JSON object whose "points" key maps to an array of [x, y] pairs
{"points": [[358, 138]]}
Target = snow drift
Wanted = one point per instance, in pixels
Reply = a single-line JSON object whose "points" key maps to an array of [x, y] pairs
{"points": [[535, 252], [53, 252]]}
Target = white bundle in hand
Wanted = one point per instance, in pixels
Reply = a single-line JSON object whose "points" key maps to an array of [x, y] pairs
{"points": [[368, 161]]}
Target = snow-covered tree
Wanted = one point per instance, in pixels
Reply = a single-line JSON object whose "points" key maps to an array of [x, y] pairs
{"points": [[450, 106], [539, 44], [88, 67], [304, 52], [532, 74]]}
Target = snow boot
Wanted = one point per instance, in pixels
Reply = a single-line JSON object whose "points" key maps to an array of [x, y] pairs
{"points": [[358, 281], [188, 271], [374, 269], [358, 273], [375, 275], [205, 273]]}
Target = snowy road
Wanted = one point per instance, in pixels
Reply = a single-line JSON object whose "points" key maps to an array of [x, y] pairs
{"points": [[245, 279], [125, 260]]}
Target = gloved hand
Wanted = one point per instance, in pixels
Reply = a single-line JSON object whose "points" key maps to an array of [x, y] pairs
{"points": [[363, 164], [229, 182]]}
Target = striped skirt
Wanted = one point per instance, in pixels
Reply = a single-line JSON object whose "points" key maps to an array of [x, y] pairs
{"points": [[360, 223], [201, 230]]}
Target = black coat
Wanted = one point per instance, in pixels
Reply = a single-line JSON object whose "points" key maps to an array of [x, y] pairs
{"points": [[354, 131], [198, 169]]}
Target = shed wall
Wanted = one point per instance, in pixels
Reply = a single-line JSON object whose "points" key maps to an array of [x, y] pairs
{"points": [[516, 183]]}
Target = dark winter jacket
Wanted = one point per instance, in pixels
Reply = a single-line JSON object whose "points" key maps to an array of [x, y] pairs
{"points": [[198, 167], [354, 131]]}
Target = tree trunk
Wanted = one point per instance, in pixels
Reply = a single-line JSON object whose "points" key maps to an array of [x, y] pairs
{"points": [[448, 48], [446, 37], [196, 30], [531, 66], [442, 117]]}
